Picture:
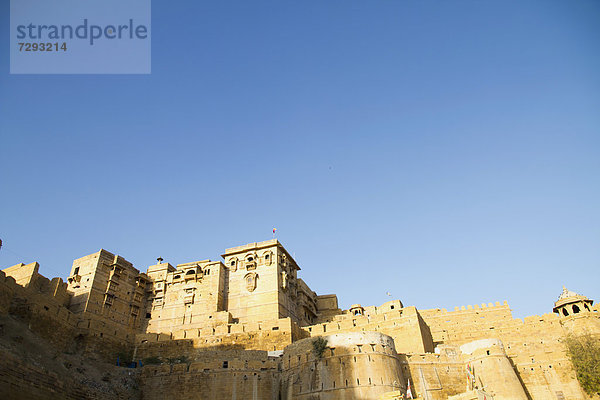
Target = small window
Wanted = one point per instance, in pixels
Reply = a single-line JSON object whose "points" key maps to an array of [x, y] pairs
{"points": [[392, 307], [76, 271], [565, 313], [148, 315], [266, 257], [177, 276], [575, 309], [207, 272], [233, 263], [225, 364], [250, 259]]}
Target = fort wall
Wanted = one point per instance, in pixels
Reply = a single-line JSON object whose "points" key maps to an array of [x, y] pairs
{"points": [[495, 373], [210, 325], [195, 381], [268, 335], [40, 305], [404, 325], [435, 376], [357, 365], [35, 368], [533, 345]]}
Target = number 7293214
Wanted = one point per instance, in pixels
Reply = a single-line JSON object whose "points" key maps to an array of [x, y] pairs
{"points": [[56, 46]]}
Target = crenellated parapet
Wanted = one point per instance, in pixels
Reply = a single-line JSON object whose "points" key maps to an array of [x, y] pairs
{"points": [[403, 324], [267, 335], [39, 302], [250, 327]]}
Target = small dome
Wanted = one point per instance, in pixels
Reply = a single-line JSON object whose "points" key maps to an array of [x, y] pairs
{"points": [[569, 297], [566, 293]]}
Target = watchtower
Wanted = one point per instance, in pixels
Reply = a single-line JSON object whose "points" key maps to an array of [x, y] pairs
{"points": [[570, 303]]}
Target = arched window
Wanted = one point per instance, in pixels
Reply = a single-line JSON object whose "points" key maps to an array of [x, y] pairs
{"points": [[250, 261], [251, 281], [565, 313], [575, 309], [267, 256], [191, 272], [356, 310]]}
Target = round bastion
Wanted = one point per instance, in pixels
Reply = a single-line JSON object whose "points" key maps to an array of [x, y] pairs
{"points": [[355, 365]]}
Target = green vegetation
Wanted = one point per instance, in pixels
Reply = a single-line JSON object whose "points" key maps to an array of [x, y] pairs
{"points": [[151, 361], [319, 346], [178, 360], [584, 352]]}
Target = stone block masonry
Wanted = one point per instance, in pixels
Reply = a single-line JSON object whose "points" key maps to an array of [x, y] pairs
{"points": [[246, 328]]}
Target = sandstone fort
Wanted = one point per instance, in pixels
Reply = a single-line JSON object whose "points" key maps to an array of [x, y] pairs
{"points": [[248, 327]]}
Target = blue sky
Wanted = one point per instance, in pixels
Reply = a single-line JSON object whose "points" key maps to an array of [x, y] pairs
{"points": [[446, 152]]}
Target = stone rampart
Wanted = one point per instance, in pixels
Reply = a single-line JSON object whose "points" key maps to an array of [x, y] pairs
{"points": [[404, 325], [215, 375], [356, 365]]}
